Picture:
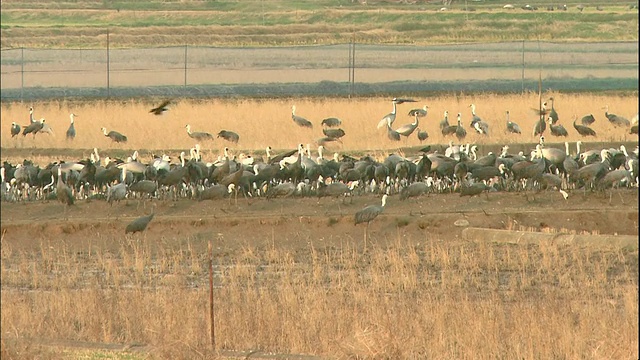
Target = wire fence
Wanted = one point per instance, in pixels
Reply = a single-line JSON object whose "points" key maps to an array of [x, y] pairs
{"points": [[346, 69]]}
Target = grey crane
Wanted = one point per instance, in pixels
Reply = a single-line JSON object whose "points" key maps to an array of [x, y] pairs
{"points": [[286, 189], [333, 133], [547, 181], [403, 100], [419, 112], [408, 129], [302, 122], [422, 135], [392, 134], [199, 136], [592, 173], [444, 123], [569, 164], [331, 122], [144, 187], [583, 129], [415, 189], [512, 127], [390, 117], [367, 214], [63, 192], [634, 126], [615, 119], [540, 126], [229, 136], [588, 120], [323, 141], [480, 126], [553, 155], [461, 133], [33, 128], [557, 130], [215, 192], [114, 136], [119, 191], [552, 113], [473, 189], [141, 223], [15, 129], [335, 189], [474, 118], [71, 132], [614, 179], [160, 109]]}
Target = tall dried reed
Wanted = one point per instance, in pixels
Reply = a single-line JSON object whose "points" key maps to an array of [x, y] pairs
{"points": [[411, 298], [262, 123]]}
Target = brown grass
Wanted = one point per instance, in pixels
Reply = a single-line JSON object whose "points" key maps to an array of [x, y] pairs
{"points": [[262, 123], [415, 298]]}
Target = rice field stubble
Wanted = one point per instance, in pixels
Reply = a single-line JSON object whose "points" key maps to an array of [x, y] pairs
{"points": [[292, 284]]}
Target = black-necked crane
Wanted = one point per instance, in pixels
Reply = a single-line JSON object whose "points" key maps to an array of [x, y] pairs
{"points": [[615, 119], [198, 136], [302, 122], [583, 129], [512, 127], [388, 119], [71, 132], [367, 214], [160, 109], [114, 136]]}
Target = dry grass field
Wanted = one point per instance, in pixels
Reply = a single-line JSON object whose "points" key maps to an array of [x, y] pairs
{"points": [[292, 276], [262, 123]]}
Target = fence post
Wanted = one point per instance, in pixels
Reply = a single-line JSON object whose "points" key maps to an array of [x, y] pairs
{"points": [[22, 74], [108, 67], [185, 65], [523, 66]]}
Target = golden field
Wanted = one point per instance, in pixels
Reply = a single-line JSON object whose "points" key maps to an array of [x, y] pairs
{"points": [[406, 297], [262, 123]]}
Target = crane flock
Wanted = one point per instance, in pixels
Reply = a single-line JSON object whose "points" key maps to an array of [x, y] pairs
{"points": [[302, 173]]}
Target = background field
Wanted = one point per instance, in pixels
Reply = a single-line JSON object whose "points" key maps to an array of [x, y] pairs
{"points": [[292, 276], [262, 123]]}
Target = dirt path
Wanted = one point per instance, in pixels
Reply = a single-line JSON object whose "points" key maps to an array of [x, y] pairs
{"points": [[297, 222]]}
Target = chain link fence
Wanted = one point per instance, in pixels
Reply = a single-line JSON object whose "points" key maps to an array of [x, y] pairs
{"points": [[330, 70]]}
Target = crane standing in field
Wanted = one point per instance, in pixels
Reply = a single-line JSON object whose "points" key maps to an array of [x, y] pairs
{"points": [[71, 132], [368, 214]]}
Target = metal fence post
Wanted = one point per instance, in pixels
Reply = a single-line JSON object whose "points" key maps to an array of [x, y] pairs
{"points": [[523, 66], [108, 67], [185, 65], [22, 74]]}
